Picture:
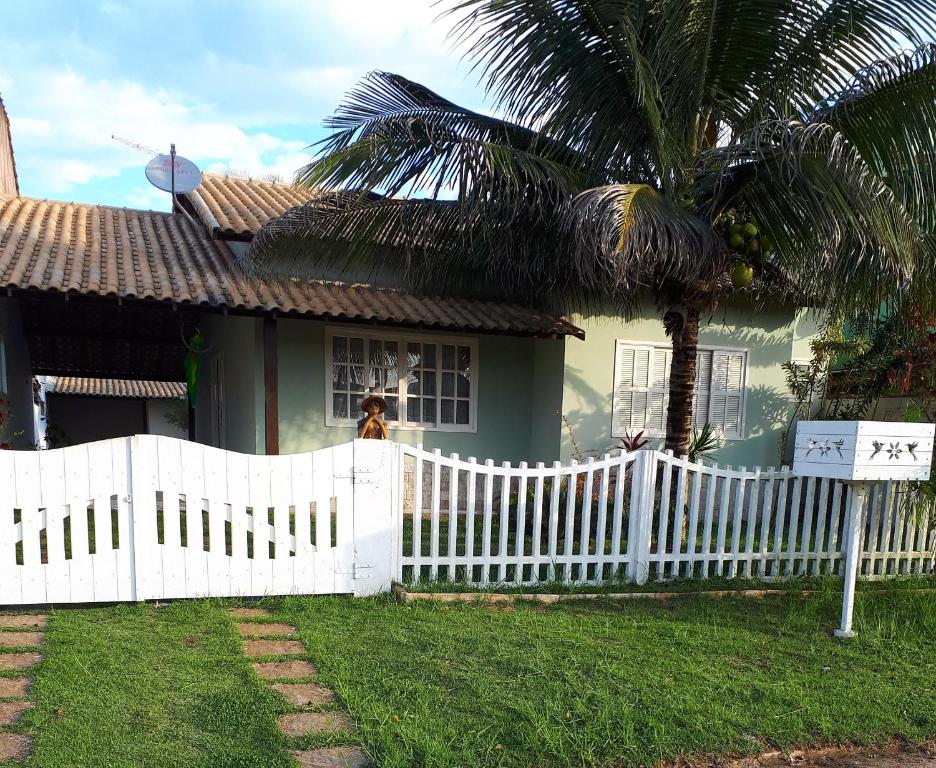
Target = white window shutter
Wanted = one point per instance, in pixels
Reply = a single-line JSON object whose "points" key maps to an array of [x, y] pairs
{"points": [[641, 389], [633, 369], [727, 392]]}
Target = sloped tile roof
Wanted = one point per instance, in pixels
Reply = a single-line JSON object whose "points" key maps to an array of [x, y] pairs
{"points": [[231, 206], [98, 250], [157, 390]]}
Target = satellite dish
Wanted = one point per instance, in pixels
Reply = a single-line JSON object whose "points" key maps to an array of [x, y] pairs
{"points": [[159, 173]]}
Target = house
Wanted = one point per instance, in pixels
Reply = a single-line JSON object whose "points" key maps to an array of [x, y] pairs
{"points": [[114, 293]]}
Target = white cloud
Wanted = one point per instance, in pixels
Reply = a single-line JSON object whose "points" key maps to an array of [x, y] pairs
{"points": [[62, 125]]}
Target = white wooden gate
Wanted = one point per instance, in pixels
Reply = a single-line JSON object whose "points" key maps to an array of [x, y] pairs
{"points": [[155, 517]]}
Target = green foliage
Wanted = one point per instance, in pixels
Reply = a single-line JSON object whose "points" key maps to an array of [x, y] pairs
{"points": [[809, 383], [704, 442]]}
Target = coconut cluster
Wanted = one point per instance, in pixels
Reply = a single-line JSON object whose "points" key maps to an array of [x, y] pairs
{"points": [[745, 238]]}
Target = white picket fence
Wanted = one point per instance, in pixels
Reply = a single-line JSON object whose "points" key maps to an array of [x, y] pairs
{"points": [[639, 516], [155, 518]]}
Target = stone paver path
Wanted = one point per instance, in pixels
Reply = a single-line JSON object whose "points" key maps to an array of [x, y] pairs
{"points": [[284, 670], [17, 631], [307, 698], [266, 630], [333, 757], [304, 694], [254, 648]]}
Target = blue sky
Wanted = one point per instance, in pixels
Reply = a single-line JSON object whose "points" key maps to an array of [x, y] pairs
{"points": [[236, 85]]}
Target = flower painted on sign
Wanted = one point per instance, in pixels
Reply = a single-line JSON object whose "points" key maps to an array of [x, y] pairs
{"points": [[822, 446], [894, 450]]}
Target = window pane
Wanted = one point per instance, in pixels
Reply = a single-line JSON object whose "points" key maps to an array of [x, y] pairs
{"points": [[376, 379], [448, 411], [429, 356], [356, 401], [412, 383], [357, 350], [391, 380], [357, 378], [429, 382], [464, 358], [413, 356], [429, 410], [448, 385], [463, 382], [340, 406], [462, 412], [376, 352], [391, 354], [393, 410], [448, 357], [340, 349], [340, 377], [412, 408]]}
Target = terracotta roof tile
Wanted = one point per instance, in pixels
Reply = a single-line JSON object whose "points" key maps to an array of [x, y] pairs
{"points": [[90, 249], [162, 390], [232, 206]]}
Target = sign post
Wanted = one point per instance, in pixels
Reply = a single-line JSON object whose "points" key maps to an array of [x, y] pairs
{"points": [[861, 453]]}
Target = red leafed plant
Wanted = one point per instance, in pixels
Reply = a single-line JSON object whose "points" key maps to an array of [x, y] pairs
{"points": [[631, 442]]}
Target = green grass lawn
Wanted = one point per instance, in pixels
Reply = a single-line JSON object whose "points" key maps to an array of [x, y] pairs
{"points": [[145, 686], [600, 684], [593, 684]]}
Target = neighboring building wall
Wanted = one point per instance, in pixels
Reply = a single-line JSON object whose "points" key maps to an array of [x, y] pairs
{"points": [[163, 418], [516, 377], [767, 335], [237, 342], [17, 374]]}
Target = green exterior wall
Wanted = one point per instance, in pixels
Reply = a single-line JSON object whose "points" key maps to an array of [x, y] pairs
{"points": [[239, 342], [766, 334], [509, 371], [525, 386]]}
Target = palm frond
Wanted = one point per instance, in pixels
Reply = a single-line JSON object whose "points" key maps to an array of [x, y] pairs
{"points": [[888, 112], [632, 237], [836, 225], [590, 72], [394, 135], [430, 246]]}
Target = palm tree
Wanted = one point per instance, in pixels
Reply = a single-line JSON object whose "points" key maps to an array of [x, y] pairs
{"points": [[630, 135]]}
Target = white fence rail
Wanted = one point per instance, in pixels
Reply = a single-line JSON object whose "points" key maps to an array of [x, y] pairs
{"points": [[638, 516], [154, 517]]}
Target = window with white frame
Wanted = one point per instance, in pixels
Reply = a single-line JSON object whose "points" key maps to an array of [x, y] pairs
{"points": [[428, 382], [641, 389]]}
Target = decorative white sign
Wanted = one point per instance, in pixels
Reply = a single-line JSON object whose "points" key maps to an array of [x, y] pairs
{"points": [[863, 450]]}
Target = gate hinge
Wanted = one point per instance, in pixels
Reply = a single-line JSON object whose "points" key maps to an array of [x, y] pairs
{"points": [[359, 475]]}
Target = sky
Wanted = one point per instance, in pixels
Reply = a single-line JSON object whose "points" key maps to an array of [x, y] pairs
{"points": [[238, 86]]}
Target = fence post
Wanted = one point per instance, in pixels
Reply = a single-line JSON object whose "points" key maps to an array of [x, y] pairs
{"points": [[643, 487], [377, 508]]}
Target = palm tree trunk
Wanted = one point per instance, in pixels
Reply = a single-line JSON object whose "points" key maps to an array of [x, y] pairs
{"points": [[683, 327]]}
